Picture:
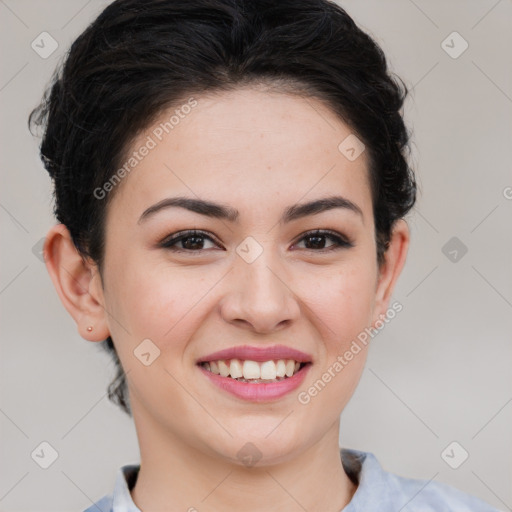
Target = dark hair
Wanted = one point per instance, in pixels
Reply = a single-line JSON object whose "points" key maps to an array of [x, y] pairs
{"points": [[140, 57]]}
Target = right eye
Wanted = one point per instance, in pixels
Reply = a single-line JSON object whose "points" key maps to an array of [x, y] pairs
{"points": [[191, 241]]}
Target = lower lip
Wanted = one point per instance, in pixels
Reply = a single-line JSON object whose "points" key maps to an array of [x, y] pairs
{"points": [[258, 392]]}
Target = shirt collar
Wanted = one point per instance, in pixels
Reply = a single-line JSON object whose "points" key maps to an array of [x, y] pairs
{"points": [[361, 467], [374, 484], [122, 500]]}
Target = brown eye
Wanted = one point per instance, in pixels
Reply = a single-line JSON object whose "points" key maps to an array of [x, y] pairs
{"points": [[191, 241], [315, 241]]}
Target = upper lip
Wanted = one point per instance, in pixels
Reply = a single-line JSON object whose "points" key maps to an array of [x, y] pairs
{"points": [[260, 354]]}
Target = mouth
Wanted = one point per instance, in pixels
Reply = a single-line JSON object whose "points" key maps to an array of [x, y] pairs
{"points": [[254, 373]]}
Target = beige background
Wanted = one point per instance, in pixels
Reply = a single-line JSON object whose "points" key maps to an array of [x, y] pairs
{"points": [[440, 372]]}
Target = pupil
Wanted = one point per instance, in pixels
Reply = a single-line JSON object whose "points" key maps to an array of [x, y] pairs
{"points": [[317, 244], [198, 240]]}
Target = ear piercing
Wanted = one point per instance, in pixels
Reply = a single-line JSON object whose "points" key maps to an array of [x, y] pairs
{"points": [[89, 328]]}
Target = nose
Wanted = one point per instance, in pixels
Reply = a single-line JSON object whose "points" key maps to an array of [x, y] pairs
{"points": [[259, 296]]}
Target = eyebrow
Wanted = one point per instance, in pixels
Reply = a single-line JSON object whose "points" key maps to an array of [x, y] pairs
{"points": [[221, 211]]}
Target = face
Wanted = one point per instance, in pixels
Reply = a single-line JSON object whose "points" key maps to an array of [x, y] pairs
{"points": [[258, 280]]}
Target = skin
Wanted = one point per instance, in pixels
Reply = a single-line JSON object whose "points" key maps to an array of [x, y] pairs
{"points": [[259, 152]]}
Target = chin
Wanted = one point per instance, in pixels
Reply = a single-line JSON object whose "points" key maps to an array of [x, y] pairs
{"points": [[253, 450]]}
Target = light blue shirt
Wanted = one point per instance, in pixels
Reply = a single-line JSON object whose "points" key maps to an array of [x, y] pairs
{"points": [[377, 491]]}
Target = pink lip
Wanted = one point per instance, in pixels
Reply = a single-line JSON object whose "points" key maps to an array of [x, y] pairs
{"points": [[259, 354], [258, 392]]}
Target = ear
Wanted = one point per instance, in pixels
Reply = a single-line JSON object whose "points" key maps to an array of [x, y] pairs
{"points": [[390, 269], [78, 283]]}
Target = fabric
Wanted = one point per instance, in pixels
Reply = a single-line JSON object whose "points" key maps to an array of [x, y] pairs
{"points": [[378, 491]]}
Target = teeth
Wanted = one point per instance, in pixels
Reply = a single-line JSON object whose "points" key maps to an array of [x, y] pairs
{"points": [[235, 369], [252, 370], [280, 368], [268, 370], [223, 368], [214, 367], [290, 367]]}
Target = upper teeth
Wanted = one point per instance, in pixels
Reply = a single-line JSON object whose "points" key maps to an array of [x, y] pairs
{"points": [[235, 368]]}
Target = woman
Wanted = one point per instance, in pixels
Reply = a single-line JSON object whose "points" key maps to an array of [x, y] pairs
{"points": [[231, 184]]}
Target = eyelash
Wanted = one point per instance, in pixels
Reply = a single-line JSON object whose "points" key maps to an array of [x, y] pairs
{"points": [[339, 241]]}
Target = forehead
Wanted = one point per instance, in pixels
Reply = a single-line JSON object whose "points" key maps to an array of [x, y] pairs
{"points": [[246, 146]]}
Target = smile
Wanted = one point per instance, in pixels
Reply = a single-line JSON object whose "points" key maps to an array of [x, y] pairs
{"points": [[256, 373], [253, 371], [256, 390]]}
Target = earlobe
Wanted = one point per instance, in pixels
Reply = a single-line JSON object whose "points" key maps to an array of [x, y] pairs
{"points": [[75, 279], [394, 260]]}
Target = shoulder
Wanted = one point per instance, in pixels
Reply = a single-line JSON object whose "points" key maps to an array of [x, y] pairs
{"points": [[103, 505], [431, 496], [380, 490]]}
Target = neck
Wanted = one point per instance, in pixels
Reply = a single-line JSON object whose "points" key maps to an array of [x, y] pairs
{"points": [[173, 472]]}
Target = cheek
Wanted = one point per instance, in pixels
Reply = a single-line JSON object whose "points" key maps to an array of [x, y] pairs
{"points": [[160, 303], [343, 301], [165, 303], [141, 302], [343, 305]]}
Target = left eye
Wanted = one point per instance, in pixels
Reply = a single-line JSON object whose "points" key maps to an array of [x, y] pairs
{"points": [[317, 236], [193, 241]]}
